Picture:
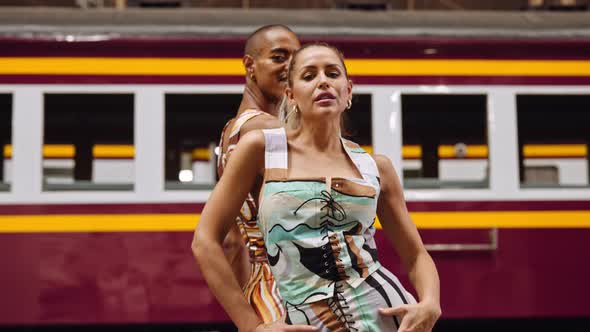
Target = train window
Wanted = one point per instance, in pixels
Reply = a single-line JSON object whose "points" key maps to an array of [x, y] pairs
{"points": [[193, 127], [88, 142], [5, 140], [194, 123], [553, 140], [357, 121], [444, 141]]}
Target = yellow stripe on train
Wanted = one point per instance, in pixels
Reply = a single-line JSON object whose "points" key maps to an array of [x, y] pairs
{"points": [[67, 151], [233, 66], [188, 222]]}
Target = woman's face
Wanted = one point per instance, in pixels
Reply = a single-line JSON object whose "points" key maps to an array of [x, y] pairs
{"points": [[319, 87]]}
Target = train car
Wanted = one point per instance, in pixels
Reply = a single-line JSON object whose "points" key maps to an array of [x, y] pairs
{"points": [[109, 148]]}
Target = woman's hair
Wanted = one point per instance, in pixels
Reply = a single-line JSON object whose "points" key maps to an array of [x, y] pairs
{"points": [[315, 44], [287, 113]]}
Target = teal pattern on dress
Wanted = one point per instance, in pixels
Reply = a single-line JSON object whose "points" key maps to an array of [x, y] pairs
{"points": [[315, 236], [319, 234]]}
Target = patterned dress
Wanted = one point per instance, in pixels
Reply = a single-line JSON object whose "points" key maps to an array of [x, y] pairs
{"points": [[319, 236], [260, 290]]}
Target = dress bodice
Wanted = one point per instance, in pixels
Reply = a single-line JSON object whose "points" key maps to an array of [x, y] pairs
{"points": [[317, 231]]}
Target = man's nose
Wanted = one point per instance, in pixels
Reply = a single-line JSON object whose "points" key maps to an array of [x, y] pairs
{"points": [[285, 66]]}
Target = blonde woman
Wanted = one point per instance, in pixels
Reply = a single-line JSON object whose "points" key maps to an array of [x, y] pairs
{"points": [[319, 195]]}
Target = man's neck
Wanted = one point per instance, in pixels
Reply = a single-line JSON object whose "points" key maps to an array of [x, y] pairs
{"points": [[254, 99]]}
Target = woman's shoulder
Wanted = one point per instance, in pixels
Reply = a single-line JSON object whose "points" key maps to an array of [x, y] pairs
{"points": [[261, 121], [389, 178], [353, 146], [252, 141], [250, 151], [383, 162]]}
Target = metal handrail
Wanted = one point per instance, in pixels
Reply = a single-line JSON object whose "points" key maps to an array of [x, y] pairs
{"points": [[492, 245]]}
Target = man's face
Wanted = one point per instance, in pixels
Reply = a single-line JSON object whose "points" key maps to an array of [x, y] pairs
{"points": [[271, 63]]}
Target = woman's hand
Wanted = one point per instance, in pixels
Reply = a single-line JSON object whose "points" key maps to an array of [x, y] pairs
{"points": [[282, 327], [419, 317]]}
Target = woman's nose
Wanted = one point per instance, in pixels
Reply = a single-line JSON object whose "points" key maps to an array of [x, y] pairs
{"points": [[323, 82]]}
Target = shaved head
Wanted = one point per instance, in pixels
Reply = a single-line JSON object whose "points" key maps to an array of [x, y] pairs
{"points": [[268, 51], [255, 40]]}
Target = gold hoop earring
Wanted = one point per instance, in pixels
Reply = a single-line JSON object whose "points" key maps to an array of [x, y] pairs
{"points": [[296, 109], [349, 104]]}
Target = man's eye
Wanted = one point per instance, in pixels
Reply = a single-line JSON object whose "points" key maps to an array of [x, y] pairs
{"points": [[308, 77], [278, 58]]}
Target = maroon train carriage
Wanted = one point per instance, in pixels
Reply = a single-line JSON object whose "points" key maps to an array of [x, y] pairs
{"points": [[90, 242]]}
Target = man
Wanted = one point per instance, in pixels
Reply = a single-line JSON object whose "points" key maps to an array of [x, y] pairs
{"points": [[266, 59]]}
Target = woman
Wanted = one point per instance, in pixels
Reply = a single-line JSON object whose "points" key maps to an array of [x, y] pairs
{"points": [[318, 200]]}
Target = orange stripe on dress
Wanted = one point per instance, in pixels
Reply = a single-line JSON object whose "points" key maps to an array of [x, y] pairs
{"points": [[328, 318]]}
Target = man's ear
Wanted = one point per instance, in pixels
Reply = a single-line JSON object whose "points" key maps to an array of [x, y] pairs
{"points": [[248, 62]]}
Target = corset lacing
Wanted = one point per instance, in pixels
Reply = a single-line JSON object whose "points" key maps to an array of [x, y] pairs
{"points": [[334, 269], [334, 211], [339, 305]]}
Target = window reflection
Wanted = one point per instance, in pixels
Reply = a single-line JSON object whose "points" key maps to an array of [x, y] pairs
{"points": [[193, 127], [553, 140], [444, 141], [88, 142]]}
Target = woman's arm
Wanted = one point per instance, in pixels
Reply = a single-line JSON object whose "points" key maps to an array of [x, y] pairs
{"points": [[236, 252], [216, 219], [234, 247], [401, 231]]}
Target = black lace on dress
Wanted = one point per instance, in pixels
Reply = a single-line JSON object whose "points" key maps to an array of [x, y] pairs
{"points": [[339, 306], [334, 212]]}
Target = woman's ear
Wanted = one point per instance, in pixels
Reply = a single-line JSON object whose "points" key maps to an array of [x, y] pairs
{"points": [[350, 87], [289, 94]]}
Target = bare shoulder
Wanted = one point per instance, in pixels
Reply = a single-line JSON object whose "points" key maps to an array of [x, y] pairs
{"points": [[263, 121], [384, 164], [252, 141], [248, 155], [389, 179]]}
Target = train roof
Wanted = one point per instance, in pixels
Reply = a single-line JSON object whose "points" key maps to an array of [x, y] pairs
{"points": [[188, 23]]}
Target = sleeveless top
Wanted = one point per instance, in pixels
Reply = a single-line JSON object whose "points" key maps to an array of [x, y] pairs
{"points": [[318, 231], [248, 214]]}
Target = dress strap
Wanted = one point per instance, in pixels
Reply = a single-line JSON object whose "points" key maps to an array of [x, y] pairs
{"points": [[241, 120], [234, 136], [275, 154], [363, 161]]}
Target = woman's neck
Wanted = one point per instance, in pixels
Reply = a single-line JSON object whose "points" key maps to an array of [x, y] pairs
{"points": [[321, 136]]}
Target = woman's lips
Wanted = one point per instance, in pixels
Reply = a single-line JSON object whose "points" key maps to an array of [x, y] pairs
{"points": [[324, 102], [324, 96]]}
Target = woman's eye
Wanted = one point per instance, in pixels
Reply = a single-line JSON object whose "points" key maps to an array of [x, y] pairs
{"points": [[278, 58], [308, 77], [333, 74]]}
